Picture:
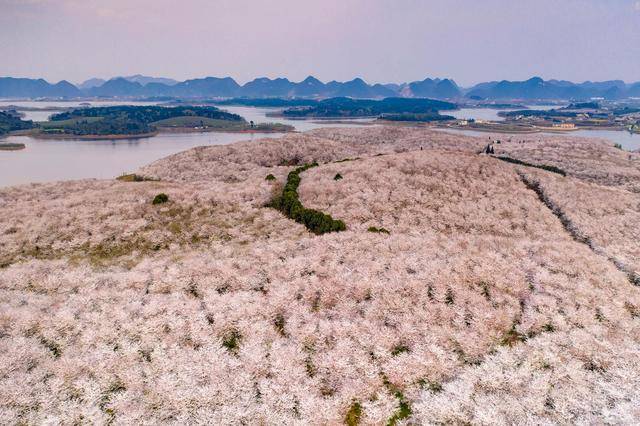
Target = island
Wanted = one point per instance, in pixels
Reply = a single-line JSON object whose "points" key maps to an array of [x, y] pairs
{"points": [[126, 122], [388, 109], [10, 121], [11, 146]]}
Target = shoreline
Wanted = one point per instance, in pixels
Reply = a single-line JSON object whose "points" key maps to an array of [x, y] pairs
{"points": [[63, 136], [12, 146], [534, 129], [166, 130], [161, 130]]}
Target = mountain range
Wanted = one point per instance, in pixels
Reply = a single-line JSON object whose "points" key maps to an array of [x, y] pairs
{"points": [[139, 86]]}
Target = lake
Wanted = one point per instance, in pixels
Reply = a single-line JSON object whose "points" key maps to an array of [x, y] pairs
{"points": [[629, 141], [51, 160], [490, 114]]}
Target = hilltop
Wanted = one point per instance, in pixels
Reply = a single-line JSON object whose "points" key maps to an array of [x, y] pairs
{"points": [[464, 289], [139, 86]]}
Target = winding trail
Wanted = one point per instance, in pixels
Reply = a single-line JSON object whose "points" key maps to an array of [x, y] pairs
{"points": [[572, 229]]}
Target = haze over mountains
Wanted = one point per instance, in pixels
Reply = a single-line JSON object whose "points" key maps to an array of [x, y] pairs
{"points": [[139, 86]]}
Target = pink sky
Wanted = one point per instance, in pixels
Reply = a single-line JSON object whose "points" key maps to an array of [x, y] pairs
{"points": [[378, 40]]}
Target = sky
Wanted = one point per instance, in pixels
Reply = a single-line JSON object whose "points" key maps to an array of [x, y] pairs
{"points": [[378, 40]]}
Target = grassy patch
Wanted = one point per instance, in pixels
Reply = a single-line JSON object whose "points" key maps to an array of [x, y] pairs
{"points": [[195, 121], [354, 414], [132, 177], [435, 387], [231, 341], [378, 230], [404, 409], [63, 124], [160, 198], [289, 204], [400, 349]]}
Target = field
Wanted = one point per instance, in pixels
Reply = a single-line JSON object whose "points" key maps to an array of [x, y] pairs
{"points": [[200, 122], [497, 293], [61, 124], [208, 124]]}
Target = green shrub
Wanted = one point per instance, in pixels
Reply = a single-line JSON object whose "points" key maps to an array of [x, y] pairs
{"points": [[231, 341], [378, 230], [619, 146], [353, 415], [134, 178], [270, 177], [399, 349], [289, 204], [338, 176], [160, 198]]}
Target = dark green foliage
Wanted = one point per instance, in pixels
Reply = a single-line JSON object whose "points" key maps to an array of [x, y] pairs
{"points": [[270, 177], [108, 126], [160, 198], [289, 204], [353, 415], [435, 387], [552, 169], [231, 341], [400, 349], [127, 119], [417, 117], [134, 178], [548, 114], [348, 107], [147, 114], [10, 121], [378, 230], [403, 411], [338, 176]]}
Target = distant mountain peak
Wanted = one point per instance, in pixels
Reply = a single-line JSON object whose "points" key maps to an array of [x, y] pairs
{"points": [[139, 86], [311, 80]]}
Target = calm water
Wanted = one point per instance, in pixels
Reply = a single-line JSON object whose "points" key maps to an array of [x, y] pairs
{"points": [[44, 114], [53, 160], [629, 141], [489, 114]]}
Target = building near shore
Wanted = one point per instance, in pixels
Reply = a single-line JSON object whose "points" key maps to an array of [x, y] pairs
{"points": [[564, 126]]}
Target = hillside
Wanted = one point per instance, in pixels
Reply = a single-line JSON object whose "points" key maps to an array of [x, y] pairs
{"points": [[499, 294], [386, 108], [10, 122], [139, 86]]}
